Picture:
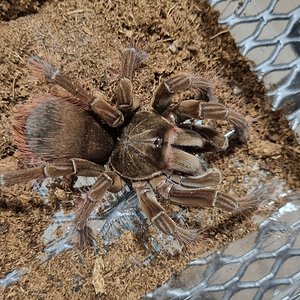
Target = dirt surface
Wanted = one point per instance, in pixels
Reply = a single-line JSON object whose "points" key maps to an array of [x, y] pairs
{"points": [[10, 10], [84, 37]]}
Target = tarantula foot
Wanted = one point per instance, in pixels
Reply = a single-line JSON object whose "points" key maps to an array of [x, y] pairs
{"points": [[186, 236], [240, 125], [250, 202], [82, 238], [43, 68], [259, 196]]}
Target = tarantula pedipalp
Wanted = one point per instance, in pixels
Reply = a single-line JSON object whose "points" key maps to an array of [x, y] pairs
{"points": [[152, 149]]}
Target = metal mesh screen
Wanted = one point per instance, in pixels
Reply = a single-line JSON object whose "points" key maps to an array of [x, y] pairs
{"points": [[268, 32], [264, 265]]}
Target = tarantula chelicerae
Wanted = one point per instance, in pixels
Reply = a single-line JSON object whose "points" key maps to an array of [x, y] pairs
{"points": [[153, 149]]}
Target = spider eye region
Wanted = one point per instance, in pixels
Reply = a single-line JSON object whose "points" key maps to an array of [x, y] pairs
{"points": [[158, 142]]}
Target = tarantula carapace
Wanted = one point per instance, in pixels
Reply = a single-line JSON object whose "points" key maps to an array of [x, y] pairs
{"points": [[152, 149]]}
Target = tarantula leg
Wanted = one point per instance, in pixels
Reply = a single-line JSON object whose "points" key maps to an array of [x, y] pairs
{"points": [[110, 114], [182, 161], [74, 166], [132, 58], [183, 195], [107, 181], [124, 95], [165, 91], [216, 111], [203, 197], [215, 138], [232, 204], [20, 176], [212, 177], [43, 68], [188, 138], [156, 214]]}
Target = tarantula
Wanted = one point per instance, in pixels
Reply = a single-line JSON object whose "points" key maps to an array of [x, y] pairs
{"points": [[154, 150]]}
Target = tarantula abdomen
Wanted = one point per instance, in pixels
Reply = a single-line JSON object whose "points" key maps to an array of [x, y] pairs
{"points": [[49, 128]]}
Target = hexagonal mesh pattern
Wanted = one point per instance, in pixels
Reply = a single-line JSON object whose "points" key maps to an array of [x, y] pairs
{"points": [[264, 265], [268, 32]]}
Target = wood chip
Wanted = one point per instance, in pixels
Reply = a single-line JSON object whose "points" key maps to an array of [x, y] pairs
{"points": [[98, 277]]}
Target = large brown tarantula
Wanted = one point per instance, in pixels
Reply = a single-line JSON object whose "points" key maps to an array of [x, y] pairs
{"points": [[153, 149]]}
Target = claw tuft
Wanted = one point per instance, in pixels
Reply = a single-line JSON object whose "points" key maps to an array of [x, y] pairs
{"points": [[186, 236], [240, 124], [43, 68], [82, 238]]}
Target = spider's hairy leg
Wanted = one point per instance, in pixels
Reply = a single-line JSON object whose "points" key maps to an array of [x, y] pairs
{"points": [[75, 166], [167, 88], [211, 177], [177, 158], [182, 161], [132, 59], [107, 181], [214, 137], [157, 215], [45, 69], [216, 111], [202, 197]]}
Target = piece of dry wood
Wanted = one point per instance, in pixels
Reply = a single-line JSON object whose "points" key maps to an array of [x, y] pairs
{"points": [[98, 278]]}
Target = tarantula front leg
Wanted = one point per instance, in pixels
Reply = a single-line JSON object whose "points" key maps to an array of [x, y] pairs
{"points": [[214, 137], [132, 58], [188, 195], [216, 111], [156, 214], [110, 114], [75, 166], [195, 109], [167, 88], [184, 138], [107, 181]]}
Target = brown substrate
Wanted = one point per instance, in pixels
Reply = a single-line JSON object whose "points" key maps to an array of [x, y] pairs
{"points": [[10, 10], [85, 37]]}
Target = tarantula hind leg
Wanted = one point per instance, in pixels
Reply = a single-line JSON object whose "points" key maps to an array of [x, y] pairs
{"points": [[108, 181], [45, 69], [74, 166], [156, 214]]}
